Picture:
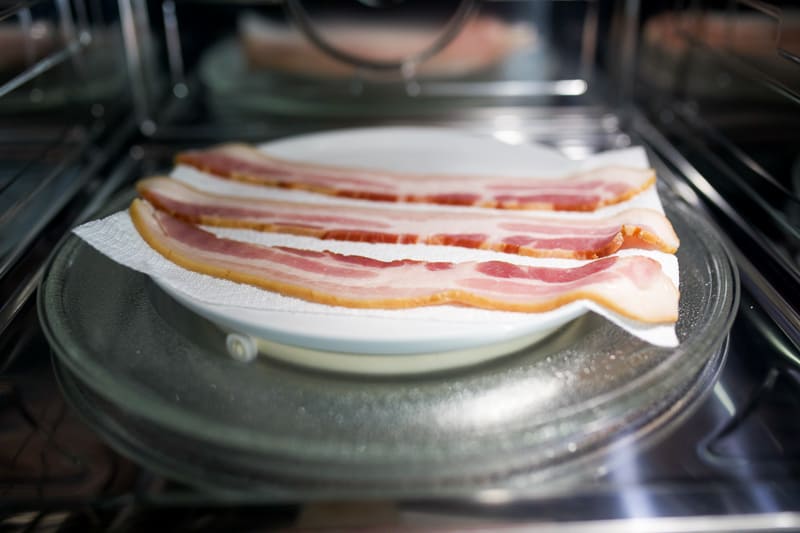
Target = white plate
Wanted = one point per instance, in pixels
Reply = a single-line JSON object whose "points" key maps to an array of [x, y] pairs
{"points": [[346, 335], [306, 328], [416, 149], [339, 336]]}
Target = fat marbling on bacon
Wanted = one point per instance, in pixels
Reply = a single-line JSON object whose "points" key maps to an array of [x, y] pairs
{"points": [[537, 236], [583, 191], [633, 286]]}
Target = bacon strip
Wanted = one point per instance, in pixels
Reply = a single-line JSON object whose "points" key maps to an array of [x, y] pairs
{"points": [[632, 286], [524, 235], [584, 191]]}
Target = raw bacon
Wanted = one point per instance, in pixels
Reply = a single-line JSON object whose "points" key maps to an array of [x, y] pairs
{"points": [[524, 235], [585, 191], [633, 286]]}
